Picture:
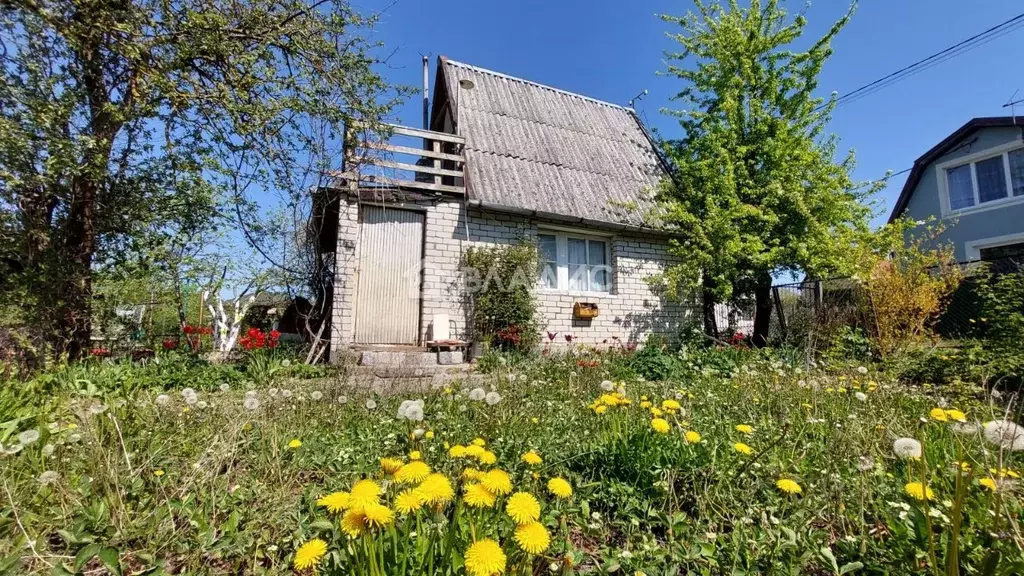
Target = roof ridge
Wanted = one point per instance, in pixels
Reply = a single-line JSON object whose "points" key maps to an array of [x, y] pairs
{"points": [[539, 85]]}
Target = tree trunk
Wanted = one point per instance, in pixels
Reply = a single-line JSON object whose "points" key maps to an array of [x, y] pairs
{"points": [[75, 312], [762, 309], [708, 294]]}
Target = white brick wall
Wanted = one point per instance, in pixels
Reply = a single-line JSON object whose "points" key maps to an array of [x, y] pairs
{"points": [[631, 312]]}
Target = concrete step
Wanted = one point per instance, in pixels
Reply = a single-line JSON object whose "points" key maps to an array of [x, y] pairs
{"points": [[410, 359]]}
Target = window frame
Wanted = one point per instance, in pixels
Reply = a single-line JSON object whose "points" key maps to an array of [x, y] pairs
{"points": [[942, 171], [562, 237]]}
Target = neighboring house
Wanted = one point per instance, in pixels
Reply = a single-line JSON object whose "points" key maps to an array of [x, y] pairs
{"points": [[973, 181], [507, 159]]}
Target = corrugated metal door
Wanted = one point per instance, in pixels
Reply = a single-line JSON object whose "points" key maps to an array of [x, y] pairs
{"points": [[388, 295]]}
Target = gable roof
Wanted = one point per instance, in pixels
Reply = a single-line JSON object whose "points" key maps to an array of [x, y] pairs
{"points": [[534, 148], [942, 148]]}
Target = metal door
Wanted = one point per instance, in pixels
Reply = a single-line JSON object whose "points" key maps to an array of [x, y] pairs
{"points": [[388, 294]]}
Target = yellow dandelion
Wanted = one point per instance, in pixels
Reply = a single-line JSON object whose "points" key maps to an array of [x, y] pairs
{"points": [[295, 443], [310, 554], [415, 455], [477, 496], [956, 415], [938, 414], [474, 451], [408, 501], [390, 465], [660, 426], [988, 484], [522, 507], [471, 474], [378, 515], [429, 435], [600, 409], [745, 428], [158, 473], [645, 404], [335, 502], [670, 405], [788, 486], [457, 451], [692, 437], [743, 448], [363, 493], [560, 487], [412, 472], [531, 458], [656, 412], [535, 420], [497, 482], [437, 490], [485, 558], [487, 458], [533, 538], [479, 442], [353, 523], [919, 491]]}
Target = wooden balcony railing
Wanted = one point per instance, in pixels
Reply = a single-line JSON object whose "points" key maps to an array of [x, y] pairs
{"points": [[394, 160]]}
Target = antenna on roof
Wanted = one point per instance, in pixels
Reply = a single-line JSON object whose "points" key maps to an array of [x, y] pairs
{"points": [[637, 98], [1011, 104]]}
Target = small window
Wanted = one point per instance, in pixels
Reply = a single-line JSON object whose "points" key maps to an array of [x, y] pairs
{"points": [[547, 246], [1017, 171], [991, 179], [961, 191], [986, 180], [574, 263], [993, 253]]}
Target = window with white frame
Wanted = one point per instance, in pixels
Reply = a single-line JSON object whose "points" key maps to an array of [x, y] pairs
{"points": [[574, 262], [986, 179]]}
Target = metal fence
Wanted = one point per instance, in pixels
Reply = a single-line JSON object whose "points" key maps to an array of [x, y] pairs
{"points": [[809, 312]]}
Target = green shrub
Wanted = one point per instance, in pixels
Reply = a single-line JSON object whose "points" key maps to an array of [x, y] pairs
{"points": [[500, 281]]}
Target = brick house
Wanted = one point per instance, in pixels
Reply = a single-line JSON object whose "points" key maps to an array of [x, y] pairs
{"points": [[505, 159]]}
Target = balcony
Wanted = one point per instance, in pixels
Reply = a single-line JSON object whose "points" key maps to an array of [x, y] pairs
{"points": [[399, 157]]}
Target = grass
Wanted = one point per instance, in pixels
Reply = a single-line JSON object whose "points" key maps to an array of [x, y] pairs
{"points": [[119, 480]]}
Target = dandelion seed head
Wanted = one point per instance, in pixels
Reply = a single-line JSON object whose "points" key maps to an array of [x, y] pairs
{"points": [[48, 477], [477, 394], [251, 403], [286, 393], [1005, 434], [906, 448], [607, 385], [371, 404], [316, 395], [163, 400], [225, 387], [28, 437], [492, 398]]}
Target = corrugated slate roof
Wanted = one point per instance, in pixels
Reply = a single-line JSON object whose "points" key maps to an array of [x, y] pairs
{"points": [[533, 147]]}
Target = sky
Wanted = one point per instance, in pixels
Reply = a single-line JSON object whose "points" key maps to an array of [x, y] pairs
{"points": [[613, 50]]}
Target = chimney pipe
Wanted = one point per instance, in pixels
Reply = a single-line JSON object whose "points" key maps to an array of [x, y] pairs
{"points": [[426, 95]]}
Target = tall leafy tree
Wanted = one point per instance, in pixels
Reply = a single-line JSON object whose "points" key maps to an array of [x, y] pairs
{"points": [[125, 121], [757, 187]]}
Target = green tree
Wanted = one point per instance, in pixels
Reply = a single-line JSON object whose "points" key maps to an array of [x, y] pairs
{"points": [[125, 122], [757, 189]]}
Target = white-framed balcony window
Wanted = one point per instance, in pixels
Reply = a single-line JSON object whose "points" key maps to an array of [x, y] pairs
{"points": [[572, 262], [982, 180]]}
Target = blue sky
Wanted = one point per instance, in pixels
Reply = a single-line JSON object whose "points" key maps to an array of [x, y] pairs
{"points": [[611, 50]]}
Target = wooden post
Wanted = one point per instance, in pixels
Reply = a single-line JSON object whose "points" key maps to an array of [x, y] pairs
{"points": [[436, 146]]}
